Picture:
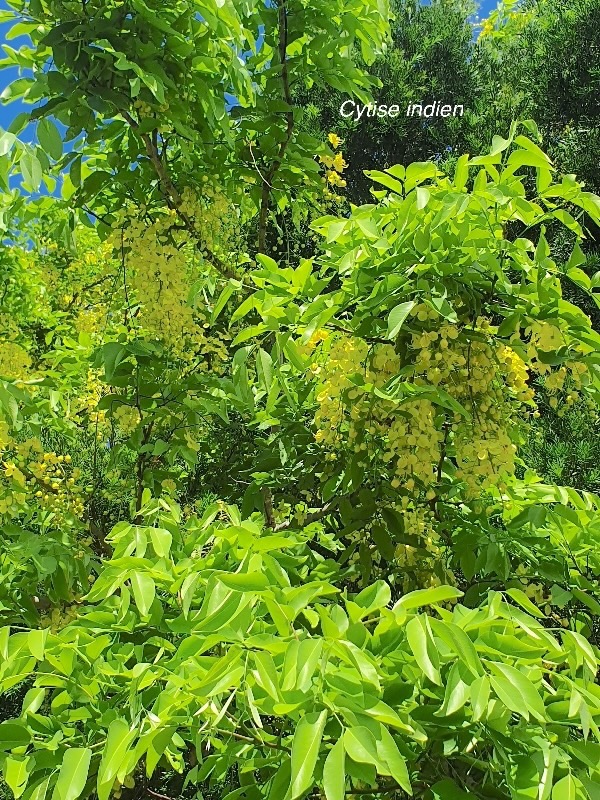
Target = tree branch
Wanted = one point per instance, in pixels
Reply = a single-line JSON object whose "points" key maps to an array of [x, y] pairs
{"points": [[314, 517], [287, 96], [268, 505], [173, 197]]}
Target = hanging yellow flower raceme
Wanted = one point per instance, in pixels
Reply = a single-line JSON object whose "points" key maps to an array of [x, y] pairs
{"points": [[162, 262]]}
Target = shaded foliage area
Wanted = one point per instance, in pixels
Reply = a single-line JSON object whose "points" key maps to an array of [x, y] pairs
{"points": [[428, 58]]}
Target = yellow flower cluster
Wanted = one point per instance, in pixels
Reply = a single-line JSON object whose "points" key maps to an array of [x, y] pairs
{"points": [[127, 418], [571, 377], [418, 562], [31, 477], [143, 109], [15, 362], [215, 218], [57, 619], [77, 284], [161, 265], [414, 445], [158, 270], [334, 167], [344, 358], [544, 336], [57, 484], [411, 437], [86, 400], [416, 565], [90, 320]]}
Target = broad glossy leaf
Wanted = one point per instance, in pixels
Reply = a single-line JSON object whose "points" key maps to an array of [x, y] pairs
{"points": [[115, 751], [305, 752], [428, 597], [397, 317], [144, 591], [516, 691], [388, 751], [423, 647], [73, 774], [565, 789], [334, 772]]}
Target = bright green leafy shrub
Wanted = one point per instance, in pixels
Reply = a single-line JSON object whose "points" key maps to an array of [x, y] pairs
{"points": [[386, 598]]}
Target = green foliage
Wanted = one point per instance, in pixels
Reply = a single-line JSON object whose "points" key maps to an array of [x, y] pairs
{"points": [[215, 638], [428, 59], [539, 62], [279, 528], [564, 448]]}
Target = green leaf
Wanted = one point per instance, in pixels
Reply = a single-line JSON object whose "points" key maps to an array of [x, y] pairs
{"points": [[565, 789], [419, 171], [305, 752], [33, 700], [264, 368], [188, 587], [480, 695], [527, 158], [397, 317], [576, 259], [428, 597], [115, 751], [334, 775], [36, 640], [521, 598], [37, 790], [227, 292], [388, 751], [13, 734], [423, 195], [245, 581], [16, 772], [582, 648], [461, 173], [361, 746], [587, 600], [161, 541], [423, 647], [457, 692], [31, 169], [372, 598], [291, 350], [516, 691], [384, 542], [448, 790], [17, 88], [144, 591], [7, 140], [50, 138], [248, 305], [112, 355], [385, 180], [73, 774]]}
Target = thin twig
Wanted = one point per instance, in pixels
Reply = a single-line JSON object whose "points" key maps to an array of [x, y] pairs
{"points": [[289, 114], [159, 796], [268, 505]]}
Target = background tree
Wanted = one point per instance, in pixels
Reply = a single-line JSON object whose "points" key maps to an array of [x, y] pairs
{"points": [[428, 58]]}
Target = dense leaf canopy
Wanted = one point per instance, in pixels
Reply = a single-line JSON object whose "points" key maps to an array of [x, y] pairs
{"points": [[284, 511]]}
